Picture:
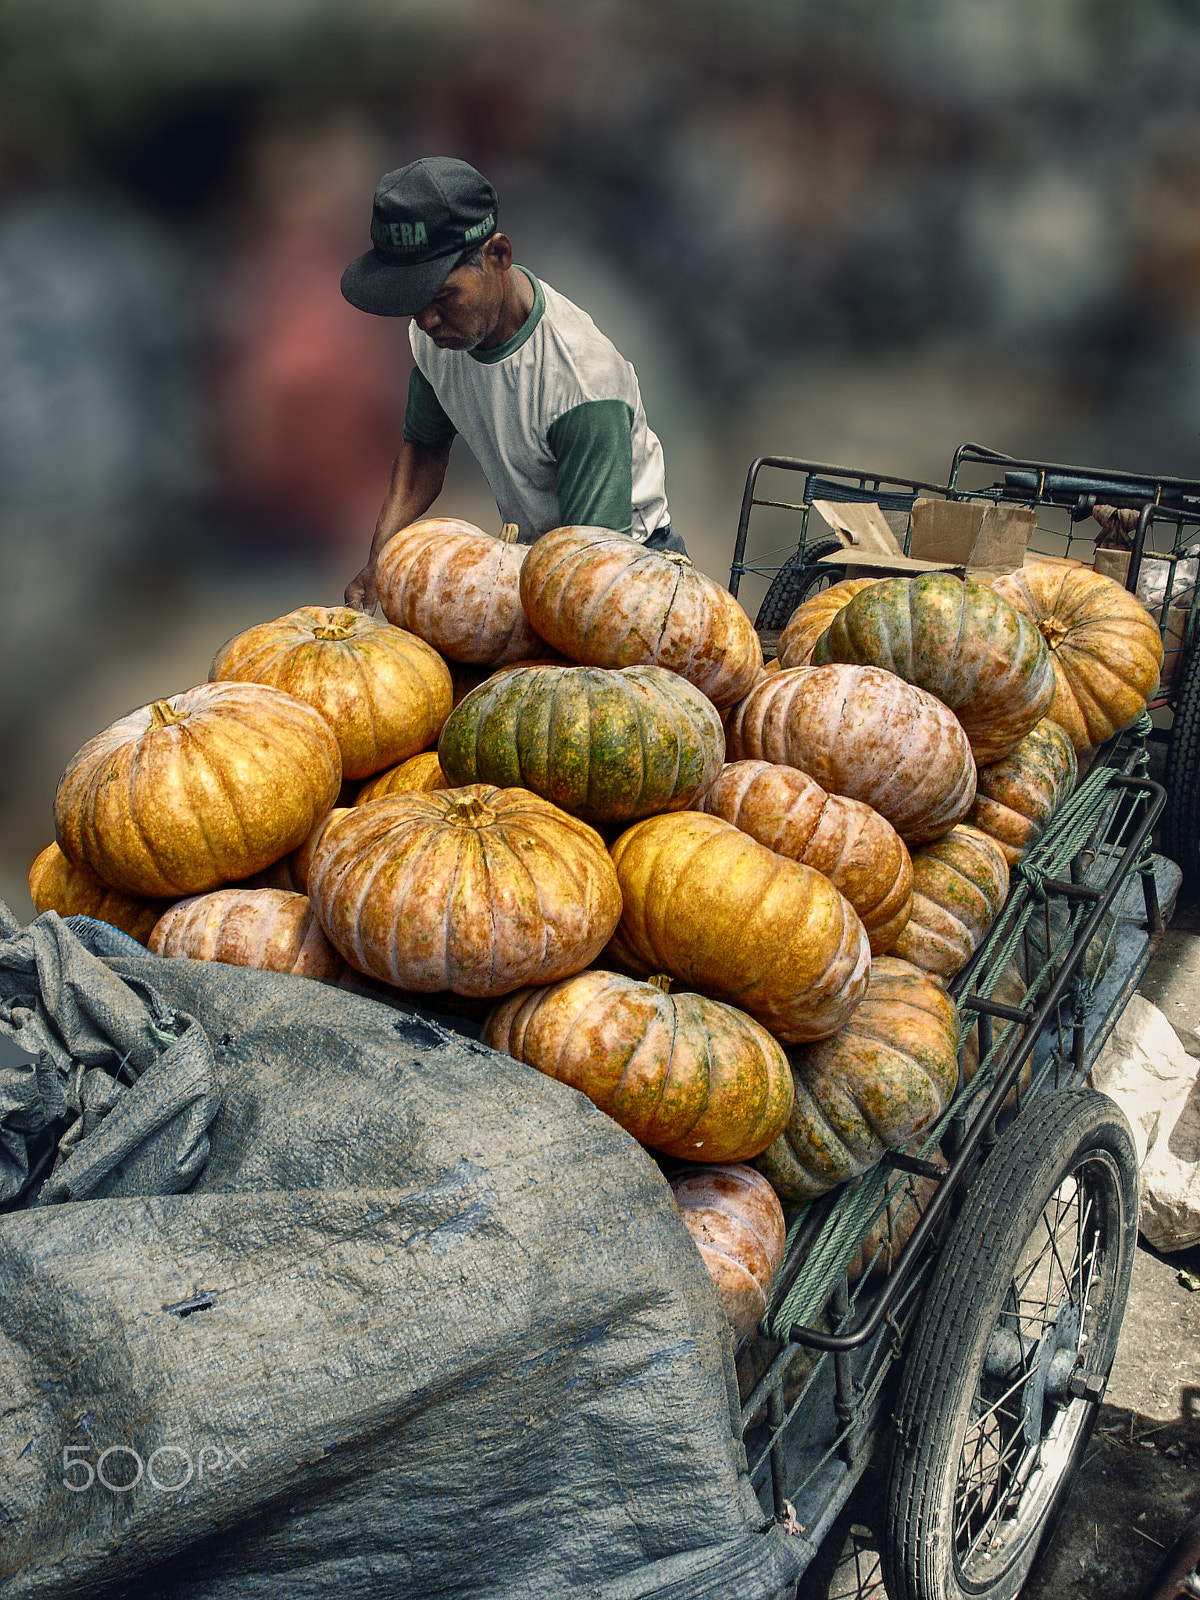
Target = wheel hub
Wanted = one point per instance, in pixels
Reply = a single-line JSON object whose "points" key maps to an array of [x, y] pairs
{"points": [[1050, 1374]]}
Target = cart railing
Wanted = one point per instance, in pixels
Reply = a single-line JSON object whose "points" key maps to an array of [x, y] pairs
{"points": [[1073, 899]]}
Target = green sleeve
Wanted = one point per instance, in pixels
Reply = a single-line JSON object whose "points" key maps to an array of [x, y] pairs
{"points": [[593, 453], [424, 420]]}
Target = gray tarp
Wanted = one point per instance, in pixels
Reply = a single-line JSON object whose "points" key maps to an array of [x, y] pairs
{"points": [[424, 1322]]}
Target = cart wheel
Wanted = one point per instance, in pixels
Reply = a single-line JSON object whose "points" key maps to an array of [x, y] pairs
{"points": [[804, 576], [1181, 816], [1012, 1352]]}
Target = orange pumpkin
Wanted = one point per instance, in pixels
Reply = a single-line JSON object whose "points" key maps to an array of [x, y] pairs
{"points": [[714, 908], [422, 771], [862, 732], [683, 1074], [202, 789], [384, 692], [57, 883], [1105, 646], [1016, 796], [810, 620], [456, 586], [874, 1086], [859, 851], [477, 890], [271, 929], [606, 601], [739, 1229], [960, 883]]}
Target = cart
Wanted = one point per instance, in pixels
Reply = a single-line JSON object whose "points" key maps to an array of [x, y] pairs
{"points": [[977, 1364], [1155, 556]]}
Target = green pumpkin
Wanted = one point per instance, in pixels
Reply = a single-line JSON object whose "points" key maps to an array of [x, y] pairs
{"points": [[959, 640], [608, 746]]}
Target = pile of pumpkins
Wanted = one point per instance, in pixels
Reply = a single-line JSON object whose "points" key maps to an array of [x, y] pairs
{"points": [[560, 779]]}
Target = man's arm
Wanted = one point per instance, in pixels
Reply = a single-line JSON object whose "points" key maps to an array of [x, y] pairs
{"points": [[418, 473]]}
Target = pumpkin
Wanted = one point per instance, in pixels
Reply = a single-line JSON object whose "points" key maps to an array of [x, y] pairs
{"points": [[604, 600], [810, 620], [422, 771], [272, 929], [201, 789], [712, 907], [862, 732], [884, 1078], [859, 851], [683, 1074], [456, 587], [384, 692], [1010, 990], [608, 746], [477, 890], [959, 640], [56, 883], [960, 883], [738, 1225], [465, 678], [1104, 645], [1016, 796]]}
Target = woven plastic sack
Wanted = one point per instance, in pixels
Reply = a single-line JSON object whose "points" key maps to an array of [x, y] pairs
{"points": [[423, 1322]]}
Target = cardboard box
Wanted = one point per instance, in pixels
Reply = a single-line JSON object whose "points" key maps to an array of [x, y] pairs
{"points": [[965, 537]]}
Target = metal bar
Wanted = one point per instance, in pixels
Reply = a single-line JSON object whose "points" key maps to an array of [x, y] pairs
{"points": [[739, 543], [996, 1008], [906, 1163], [775, 1420], [1155, 921], [780, 505], [983, 456], [1070, 890], [843, 1373], [1061, 983], [1139, 544]]}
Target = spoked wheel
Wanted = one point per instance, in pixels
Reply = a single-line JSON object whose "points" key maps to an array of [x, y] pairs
{"points": [[1009, 1362], [804, 576], [1181, 816]]}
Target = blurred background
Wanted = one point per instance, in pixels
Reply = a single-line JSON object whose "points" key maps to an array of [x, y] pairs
{"points": [[857, 231]]}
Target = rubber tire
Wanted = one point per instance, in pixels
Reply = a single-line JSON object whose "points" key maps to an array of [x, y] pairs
{"points": [[1181, 815], [1001, 1216], [797, 582]]}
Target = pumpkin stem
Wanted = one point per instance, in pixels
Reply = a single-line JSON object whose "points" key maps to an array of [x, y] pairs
{"points": [[660, 980], [508, 533], [676, 557], [164, 715], [1052, 631], [469, 813], [334, 630]]}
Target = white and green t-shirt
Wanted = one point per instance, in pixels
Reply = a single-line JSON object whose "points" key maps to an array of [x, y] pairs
{"points": [[554, 417]]}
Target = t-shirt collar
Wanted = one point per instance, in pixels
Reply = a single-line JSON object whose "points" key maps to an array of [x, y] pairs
{"points": [[500, 351]]}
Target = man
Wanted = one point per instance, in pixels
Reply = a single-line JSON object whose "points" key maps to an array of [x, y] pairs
{"points": [[551, 410]]}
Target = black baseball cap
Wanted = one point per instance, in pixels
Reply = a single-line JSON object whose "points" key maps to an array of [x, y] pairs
{"points": [[426, 217]]}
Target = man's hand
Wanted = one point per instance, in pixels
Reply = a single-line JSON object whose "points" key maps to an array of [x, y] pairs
{"points": [[360, 591], [418, 473]]}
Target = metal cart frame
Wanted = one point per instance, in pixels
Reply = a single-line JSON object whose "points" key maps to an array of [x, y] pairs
{"points": [[830, 1374]]}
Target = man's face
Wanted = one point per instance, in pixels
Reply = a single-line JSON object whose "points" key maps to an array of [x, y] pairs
{"points": [[465, 309]]}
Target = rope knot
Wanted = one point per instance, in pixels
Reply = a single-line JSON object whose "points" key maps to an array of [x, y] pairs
{"points": [[1033, 877]]}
